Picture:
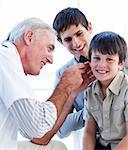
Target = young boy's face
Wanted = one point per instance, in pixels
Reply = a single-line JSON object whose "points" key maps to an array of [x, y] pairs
{"points": [[76, 39], [105, 67]]}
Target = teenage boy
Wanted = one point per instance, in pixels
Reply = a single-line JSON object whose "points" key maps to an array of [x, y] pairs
{"points": [[74, 32]]}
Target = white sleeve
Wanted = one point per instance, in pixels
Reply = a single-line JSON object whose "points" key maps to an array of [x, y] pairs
{"points": [[34, 119], [14, 84]]}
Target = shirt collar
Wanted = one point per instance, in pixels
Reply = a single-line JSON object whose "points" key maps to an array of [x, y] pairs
{"points": [[113, 87], [116, 83], [10, 45]]}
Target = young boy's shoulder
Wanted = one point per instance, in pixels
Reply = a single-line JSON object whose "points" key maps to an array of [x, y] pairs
{"points": [[126, 78]]}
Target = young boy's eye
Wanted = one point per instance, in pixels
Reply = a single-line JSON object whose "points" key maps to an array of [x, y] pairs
{"points": [[96, 58], [109, 59]]}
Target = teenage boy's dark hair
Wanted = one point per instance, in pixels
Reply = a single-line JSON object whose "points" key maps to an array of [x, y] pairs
{"points": [[67, 17], [108, 43]]}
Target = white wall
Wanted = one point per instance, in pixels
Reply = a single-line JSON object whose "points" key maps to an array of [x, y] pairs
{"points": [[104, 15], [107, 15]]}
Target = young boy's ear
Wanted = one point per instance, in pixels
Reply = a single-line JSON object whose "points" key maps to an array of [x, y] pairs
{"points": [[122, 65]]}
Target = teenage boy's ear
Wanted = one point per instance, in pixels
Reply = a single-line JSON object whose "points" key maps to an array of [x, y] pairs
{"points": [[90, 27], [59, 39]]}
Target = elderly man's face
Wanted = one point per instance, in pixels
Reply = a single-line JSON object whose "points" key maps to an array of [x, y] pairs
{"points": [[40, 51]]}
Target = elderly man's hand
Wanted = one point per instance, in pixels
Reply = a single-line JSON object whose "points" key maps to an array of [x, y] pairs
{"points": [[43, 140], [77, 76]]}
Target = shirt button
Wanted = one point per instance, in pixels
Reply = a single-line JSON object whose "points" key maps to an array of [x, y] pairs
{"points": [[106, 131], [116, 107], [106, 116]]}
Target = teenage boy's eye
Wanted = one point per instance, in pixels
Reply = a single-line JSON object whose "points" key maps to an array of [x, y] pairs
{"points": [[68, 39], [79, 33]]}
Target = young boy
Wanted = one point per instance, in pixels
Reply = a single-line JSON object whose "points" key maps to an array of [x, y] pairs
{"points": [[107, 97]]}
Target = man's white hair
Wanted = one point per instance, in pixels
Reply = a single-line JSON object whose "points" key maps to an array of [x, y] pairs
{"points": [[31, 23]]}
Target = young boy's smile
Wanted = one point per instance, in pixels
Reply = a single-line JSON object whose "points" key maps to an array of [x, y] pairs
{"points": [[105, 67]]}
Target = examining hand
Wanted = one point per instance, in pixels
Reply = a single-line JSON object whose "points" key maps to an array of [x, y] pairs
{"points": [[72, 77], [87, 77]]}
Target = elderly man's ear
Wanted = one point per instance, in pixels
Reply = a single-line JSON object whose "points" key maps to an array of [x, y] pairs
{"points": [[28, 35]]}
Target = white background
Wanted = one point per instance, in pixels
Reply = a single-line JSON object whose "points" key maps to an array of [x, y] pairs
{"points": [[104, 15]]}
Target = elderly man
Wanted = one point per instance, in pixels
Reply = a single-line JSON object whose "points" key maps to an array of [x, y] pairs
{"points": [[28, 48]]}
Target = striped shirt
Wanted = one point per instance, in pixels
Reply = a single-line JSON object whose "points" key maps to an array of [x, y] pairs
{"points": [[18, 109], [34, 118]]}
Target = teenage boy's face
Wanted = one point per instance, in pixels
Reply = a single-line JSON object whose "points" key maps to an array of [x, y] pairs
{"points": [[105, 67], [76, 39]]}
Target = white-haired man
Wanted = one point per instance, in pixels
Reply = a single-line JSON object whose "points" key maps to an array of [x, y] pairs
{"points": [[28, 48]]}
